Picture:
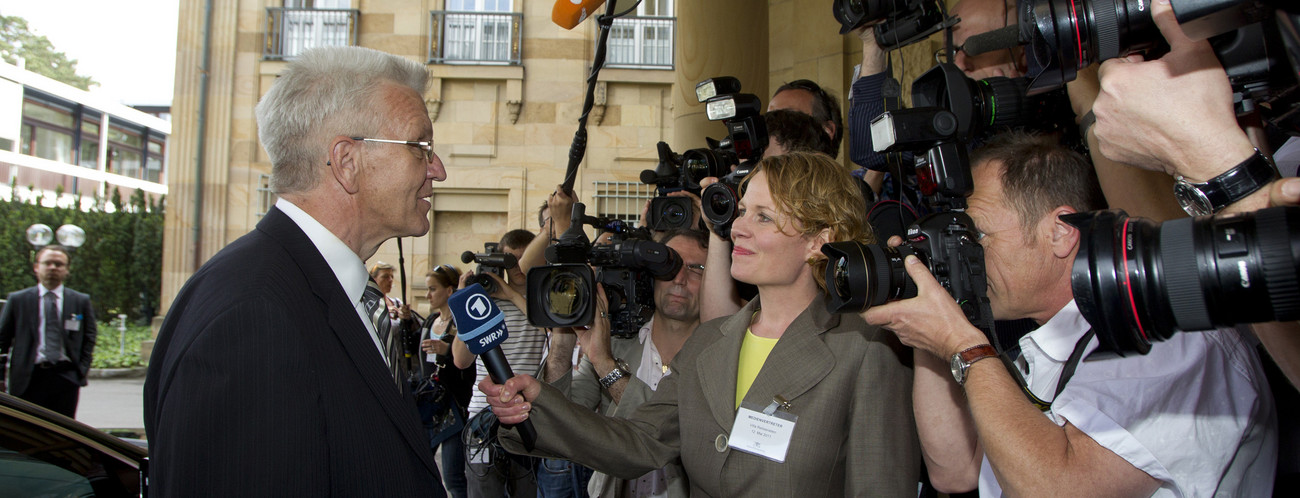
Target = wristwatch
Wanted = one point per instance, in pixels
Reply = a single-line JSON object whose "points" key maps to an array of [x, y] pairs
{"points": [[962, 361], [620, 370], [1199, 199]]}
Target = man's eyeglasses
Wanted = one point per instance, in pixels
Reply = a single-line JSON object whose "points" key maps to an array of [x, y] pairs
{"points": [[425, 147], [696, 271]]}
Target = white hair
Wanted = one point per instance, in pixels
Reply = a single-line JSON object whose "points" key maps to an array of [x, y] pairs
{"points": [[325, 92]]}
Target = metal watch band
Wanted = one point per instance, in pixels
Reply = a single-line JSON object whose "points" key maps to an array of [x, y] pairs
{"points": [[620, 370]]}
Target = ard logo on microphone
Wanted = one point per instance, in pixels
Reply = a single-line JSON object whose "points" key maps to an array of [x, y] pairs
{"points": [[480, 323], [478, 307]]}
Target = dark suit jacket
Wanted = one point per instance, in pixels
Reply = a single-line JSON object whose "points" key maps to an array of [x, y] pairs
{"points": [[846, 381], [265, 382], [20, 324]]}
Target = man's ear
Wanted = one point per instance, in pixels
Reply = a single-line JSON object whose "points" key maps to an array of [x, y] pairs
{"points": [[344, 163], [1063, 236]]}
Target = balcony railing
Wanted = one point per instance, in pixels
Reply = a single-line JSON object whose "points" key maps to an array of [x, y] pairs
{"points": [[291, 31], [475, 37], [641, 42]]}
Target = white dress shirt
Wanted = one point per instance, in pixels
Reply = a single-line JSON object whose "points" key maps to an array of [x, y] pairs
{"points": [[347, 266], [41, 291], [1195, 413]]}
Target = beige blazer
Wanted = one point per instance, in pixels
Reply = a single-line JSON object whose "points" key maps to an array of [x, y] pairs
{"points": [[847, 382]]}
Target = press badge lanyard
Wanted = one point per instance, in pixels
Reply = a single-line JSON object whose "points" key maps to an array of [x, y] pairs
{"points": [[764, 431], [1070, 365]]}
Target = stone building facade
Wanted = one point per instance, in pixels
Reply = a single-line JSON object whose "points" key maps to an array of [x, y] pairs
{"points": [[502, 128]]}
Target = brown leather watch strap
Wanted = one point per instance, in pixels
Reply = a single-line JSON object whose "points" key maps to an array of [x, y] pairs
{"points": [[977, 353]]}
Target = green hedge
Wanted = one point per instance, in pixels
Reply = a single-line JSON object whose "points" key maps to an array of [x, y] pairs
{"points": [[108, 346], [120, 265]]}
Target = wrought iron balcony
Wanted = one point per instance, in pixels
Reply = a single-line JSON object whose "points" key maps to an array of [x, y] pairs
{"points": [[475, 37], [641, 42], [291, 31]]}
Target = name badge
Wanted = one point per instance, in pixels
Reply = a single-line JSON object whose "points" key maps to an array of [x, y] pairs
{"points": [[72, 324], [763, 431]]}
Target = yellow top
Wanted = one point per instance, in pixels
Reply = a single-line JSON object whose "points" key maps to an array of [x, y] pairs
{"points": [[753, 353]]}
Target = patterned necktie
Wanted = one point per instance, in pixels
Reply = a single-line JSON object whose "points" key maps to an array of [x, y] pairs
{"points": [[53, 350], [377, 311]]}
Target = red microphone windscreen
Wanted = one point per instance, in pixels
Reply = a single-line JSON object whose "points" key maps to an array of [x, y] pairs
{"points": [[569, 13]]}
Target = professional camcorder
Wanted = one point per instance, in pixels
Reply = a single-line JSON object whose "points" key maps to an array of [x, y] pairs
{"points": [[563, 293], [902, 21], [1137, 281], [743, 147], [489, 261]]}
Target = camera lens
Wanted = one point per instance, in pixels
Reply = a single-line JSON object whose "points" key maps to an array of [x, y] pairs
{"points": [[1069, 35], [1138, 282], [565, 296], [864, 275], [719, 203], [673, 214]]}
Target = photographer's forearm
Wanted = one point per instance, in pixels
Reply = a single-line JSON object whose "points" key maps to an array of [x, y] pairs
{"points": [[718, 295], [944, 425], [1139, 192], [460, 354], [559, 359], [535, 253]]}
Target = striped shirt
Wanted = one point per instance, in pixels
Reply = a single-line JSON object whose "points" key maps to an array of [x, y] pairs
{"points": [[523, 350]]}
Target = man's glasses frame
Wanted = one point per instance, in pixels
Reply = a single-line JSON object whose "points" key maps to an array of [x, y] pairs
{"points": [[425, 147]]}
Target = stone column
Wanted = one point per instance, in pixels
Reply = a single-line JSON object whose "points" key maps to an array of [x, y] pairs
{"points": [[716, 38]]}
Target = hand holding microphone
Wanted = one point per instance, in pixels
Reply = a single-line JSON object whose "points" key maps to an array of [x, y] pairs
{"points": [[482, 327]]}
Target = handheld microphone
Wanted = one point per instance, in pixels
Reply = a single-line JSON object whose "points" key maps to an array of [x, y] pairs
{"points": [[570, 13], [481, 326], [998, 39]]}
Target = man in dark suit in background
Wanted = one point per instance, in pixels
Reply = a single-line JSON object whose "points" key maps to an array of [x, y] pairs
{"points": [[47, 337], [270, 375]]}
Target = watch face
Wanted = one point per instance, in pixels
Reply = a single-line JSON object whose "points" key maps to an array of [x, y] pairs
{"points": [[956, 365], [1193, 201]]}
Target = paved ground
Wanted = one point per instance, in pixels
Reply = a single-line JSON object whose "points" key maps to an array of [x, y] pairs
{"points": [[113, 404]]}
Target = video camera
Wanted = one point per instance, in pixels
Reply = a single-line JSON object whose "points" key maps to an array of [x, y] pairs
{"points": [[1137, 281], [903, 21], [743, 147], [489, 261], [563, 293]]}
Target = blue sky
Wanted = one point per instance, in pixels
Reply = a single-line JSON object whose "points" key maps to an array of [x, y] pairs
{"points": [[128, 46]]}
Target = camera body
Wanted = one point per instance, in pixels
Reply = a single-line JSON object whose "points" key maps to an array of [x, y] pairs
{"points": [[491, 260], [681, 172], [860, 276], [720, 201], [563, 293], [903, 21]]}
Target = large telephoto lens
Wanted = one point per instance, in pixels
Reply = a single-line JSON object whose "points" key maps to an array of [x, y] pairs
{"points": [[1137, 281], [1068, 35], [859, 276]]}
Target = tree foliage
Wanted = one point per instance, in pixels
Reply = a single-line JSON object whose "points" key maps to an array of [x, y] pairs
{"points": [[16, 40], [120, 265]]}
